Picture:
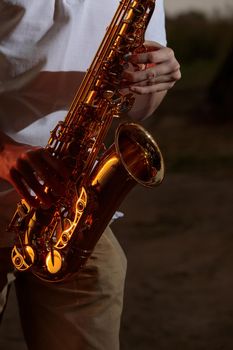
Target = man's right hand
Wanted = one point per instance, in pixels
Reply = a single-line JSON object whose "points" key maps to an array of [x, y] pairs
{"points": [[30, 170]]}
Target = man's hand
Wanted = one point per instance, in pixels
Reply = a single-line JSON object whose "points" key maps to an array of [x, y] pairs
{"points": [[30, 170], [154, 70]]}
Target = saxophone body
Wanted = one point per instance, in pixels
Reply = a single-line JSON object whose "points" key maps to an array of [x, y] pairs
{"points": [[55, 243]]}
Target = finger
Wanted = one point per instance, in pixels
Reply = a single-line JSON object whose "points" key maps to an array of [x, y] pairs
{"points": [[161, 79], [153, 73], [22, 189], [152, 45], [149, 46], [59, 166], [138, 76], [50, 176], [141, 90], [27, 174], [155, 56]]}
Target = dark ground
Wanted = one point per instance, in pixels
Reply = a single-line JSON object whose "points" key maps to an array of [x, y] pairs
{"points": [[179, 242]]}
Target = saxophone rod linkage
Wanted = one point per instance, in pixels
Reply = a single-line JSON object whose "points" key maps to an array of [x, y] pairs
{"points": [[107, 43]]}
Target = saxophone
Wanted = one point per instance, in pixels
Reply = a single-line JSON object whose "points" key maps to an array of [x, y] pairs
{"points": [[55, 243]]}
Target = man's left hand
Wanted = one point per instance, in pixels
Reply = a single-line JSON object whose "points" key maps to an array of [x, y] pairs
{"points": [[154, 70]]}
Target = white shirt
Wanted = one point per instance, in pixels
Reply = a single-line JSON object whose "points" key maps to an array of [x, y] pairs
{"points": [[45, 48], [51, 36]]}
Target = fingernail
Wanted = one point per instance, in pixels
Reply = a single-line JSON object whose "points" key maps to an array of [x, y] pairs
{"points": [[125, 66], [151, 76], [127, 56]]}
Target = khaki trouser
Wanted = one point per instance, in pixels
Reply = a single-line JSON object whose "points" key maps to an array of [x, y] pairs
{"points": [[80, 314]]}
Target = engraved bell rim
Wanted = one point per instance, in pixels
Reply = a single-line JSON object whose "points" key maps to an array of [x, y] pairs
{"points": [[139, 133]]}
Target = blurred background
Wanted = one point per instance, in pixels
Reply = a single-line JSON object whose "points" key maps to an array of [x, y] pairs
{"points": [[178, 238]]}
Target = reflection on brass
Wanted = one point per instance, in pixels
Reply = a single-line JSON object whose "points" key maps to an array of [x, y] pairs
{"points": [[23, 261], [66, 233], [53, 262], [55, 242]]}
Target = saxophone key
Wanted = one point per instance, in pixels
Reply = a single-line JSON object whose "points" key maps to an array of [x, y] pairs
{"points": [[23, 262], [54, 261]]}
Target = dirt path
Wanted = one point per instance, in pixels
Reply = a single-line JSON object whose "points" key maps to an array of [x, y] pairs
{"points": [[180, 263]]}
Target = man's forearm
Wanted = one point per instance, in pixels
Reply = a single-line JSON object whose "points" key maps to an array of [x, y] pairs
{"points": [[145, 105]]}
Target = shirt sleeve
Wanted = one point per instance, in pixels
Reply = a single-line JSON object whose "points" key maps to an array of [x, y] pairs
{"points": [[156, 29]]}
